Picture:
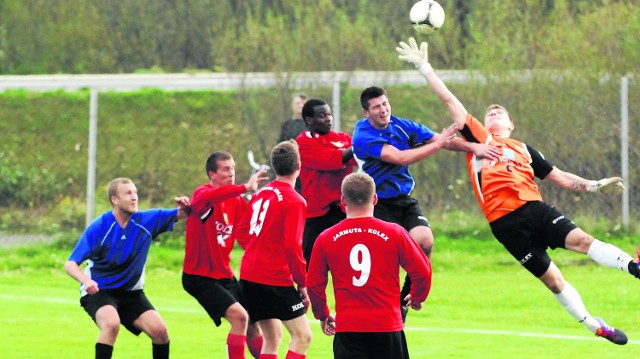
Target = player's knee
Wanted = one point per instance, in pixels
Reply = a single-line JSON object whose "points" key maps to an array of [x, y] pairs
{"points": [[304, 338], [110, 327], [237, 316], [158, 334]]}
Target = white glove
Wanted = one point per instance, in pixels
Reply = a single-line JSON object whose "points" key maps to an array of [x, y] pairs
{"points": [[612, 185], [417, 56]]}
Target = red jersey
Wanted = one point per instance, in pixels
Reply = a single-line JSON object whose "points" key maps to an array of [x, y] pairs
{"points": [[272, 229], [505, 185], [214, 211], [364, 256], [322, 169]]}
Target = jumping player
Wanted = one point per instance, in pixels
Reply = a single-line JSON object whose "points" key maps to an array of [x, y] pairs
{"points": [[364, 255], [509, 197], [272, 263], [206, 274], [387, 145], [115, 246]]}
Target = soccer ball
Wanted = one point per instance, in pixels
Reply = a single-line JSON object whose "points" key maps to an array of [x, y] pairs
{"points": [[426, 16]]}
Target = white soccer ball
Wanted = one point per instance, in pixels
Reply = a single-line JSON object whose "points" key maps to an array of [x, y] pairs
{"points": [[426, 16]]}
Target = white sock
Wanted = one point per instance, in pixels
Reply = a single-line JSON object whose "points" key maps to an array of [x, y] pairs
{"points": [[608, 255], [572, 303]]}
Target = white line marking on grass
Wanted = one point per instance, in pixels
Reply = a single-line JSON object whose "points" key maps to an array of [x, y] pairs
{"points": [[508, 333], [417, 329], [75, 302]]}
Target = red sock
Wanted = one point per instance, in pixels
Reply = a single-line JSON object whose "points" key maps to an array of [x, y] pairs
{"points": [[235, 346], [255, 346], [292, 355], [268, 356]]}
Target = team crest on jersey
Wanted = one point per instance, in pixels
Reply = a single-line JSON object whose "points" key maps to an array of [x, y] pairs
{"points": [[338, 144], [224, 232], [509, 154]]}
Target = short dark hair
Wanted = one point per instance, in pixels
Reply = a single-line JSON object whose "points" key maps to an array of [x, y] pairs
{"points": [[307, 109], [358, 189], [285, 158], [212, 161], [369, 93]]}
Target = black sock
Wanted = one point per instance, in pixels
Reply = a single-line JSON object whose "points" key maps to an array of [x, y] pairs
{"points": [[160, 351], [103, 351]]}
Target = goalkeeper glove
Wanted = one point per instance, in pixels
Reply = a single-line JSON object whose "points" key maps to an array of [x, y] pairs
{"points": [[606, 185], [417, 56]]}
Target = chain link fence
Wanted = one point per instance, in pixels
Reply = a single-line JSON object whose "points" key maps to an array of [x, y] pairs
{"points": [[161, 139]]}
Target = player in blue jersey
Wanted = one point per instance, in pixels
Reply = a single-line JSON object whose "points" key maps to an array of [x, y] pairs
{"points": [[115, 247], [387, 145]]}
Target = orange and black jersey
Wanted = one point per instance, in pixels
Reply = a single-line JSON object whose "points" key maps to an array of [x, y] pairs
{"points": [[504, 185]]}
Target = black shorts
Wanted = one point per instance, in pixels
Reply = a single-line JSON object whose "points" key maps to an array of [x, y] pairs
{"points": [[314, 226], [272, 302], [360, 345], [402, 210], [214, 295], [129, 304], [528, 231]]}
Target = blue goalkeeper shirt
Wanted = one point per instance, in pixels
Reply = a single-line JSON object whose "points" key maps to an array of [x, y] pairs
{"points": [[391, 180], [116, 256]]}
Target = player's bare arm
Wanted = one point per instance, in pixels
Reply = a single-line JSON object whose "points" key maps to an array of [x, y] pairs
{"points": [[73, 269], [576, 183], [481, 150], [406, 157], [419, 56], [255, 180]]}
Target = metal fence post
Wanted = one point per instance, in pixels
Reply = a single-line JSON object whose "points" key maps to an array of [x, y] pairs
{"points": [[624, 146], [91, 162]]}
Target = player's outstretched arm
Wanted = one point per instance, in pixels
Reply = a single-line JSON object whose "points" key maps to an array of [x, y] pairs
{"points": [[419, 56], [255, 179], [570, 181]]}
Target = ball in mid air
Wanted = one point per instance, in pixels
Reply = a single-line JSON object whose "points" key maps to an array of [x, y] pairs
{"points": [[426, 16]]}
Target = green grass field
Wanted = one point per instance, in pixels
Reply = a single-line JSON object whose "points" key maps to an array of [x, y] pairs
{"points": [[482, 305]]}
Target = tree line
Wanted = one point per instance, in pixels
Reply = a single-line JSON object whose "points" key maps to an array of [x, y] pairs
{"points": [[97, 36]]}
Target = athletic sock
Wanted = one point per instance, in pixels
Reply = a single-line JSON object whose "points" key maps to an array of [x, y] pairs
{"points": [[235, 346], [255, 346], [610, 256], [160, 351], [268, 356], [293, 355], [103, 351], [572, 303]]}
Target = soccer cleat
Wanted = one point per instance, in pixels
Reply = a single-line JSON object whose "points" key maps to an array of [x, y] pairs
{"points": [[612, 334]]}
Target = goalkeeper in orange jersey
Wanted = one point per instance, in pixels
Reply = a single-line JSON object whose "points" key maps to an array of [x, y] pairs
{"points": [[509, 197]]}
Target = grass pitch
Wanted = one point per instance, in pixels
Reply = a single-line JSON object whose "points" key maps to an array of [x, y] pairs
{"points": [[482, 305]]}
